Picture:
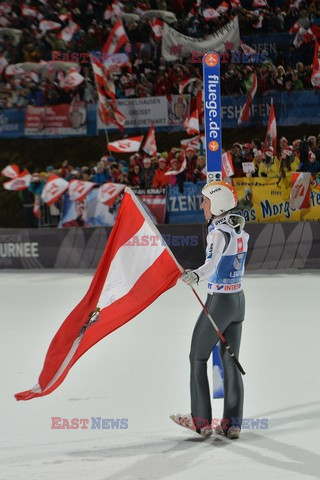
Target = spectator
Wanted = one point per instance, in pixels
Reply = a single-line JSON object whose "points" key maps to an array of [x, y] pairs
{"points": [[269, 167], [134, 175], [146, 174], [160, 180]]}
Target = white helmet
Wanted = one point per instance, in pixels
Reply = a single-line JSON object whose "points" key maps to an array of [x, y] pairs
{"points": [[222, 195]]}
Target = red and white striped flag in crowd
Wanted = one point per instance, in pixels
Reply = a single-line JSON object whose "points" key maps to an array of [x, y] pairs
{"points": [[116, 294], [10, 171], [247, 49], [67, 33], [223, 7], [109, 192], [117, 38], [300, 190], [126, 145], [193, 143], [210, 14], [157, 29], [227, 165], [113, 10], [47, 25], [235, 3], [260, 4], [79, 189], [245, 111], [185, 83], [315, 75], [5, 8], [54, 189], [72, 80], [150, 146], [271, 138], [191, 123], [21, 182]]}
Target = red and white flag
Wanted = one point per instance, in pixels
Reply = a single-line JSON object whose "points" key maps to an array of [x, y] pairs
{"points": [[13, 70], [299, 38], [210, 14], [295, 28], [260, 21], [191, 123], [47, 25], [157, 29], [21, 182], [54, 189], [245, 111], [227, 165], [300, 190], [183, 166], [113, 10], [194, 143], [109, 192], [185, 83], [150, 146], [235, 3], [315, 75], [223, 7], [67, 33], [126, 145], [117, 38], [260, 4], [5, 8], [271, 138], [10, 171], [72, 80], [79, 189], [116, 294]]}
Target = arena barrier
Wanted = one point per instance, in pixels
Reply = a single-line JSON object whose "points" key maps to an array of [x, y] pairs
{"points": [[271, 246]]}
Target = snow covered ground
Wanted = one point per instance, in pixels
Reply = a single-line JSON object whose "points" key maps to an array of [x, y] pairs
{"points": [[141, 372]]}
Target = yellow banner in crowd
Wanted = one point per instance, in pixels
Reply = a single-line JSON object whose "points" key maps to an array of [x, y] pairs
{"points": [[267, 200]]}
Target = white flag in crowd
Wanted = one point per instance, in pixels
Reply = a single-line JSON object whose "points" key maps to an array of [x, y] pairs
{"points": [[227, 165], [117, 38], [113, 10], [10, 171], [176, 46], [126, 145], [53, 189], [72, 80], [109, 192], [191, 123], [185, 83], [21, 182], [183, 166], [223, 7], [300, 190], [79, 189], [150, 146]]}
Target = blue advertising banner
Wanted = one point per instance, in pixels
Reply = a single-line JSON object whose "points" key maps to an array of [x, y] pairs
{"points": [[12, 123], [270, 43], [212, 114], [185, 207]]}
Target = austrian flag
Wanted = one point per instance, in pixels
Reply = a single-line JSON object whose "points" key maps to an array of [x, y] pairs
{"points": [[128, 279]]}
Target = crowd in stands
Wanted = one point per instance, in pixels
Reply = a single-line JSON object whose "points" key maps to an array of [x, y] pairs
{"points": [[150, 75]]}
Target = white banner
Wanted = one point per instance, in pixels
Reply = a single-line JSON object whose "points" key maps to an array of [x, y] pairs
{"points": [[161, 111], [176, 46]]}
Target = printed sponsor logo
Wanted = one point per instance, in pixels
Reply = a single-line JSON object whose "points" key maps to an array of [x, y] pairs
{"points": [[58, 423]]}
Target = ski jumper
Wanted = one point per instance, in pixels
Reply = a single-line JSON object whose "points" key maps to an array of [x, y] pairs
{"points": [[224, 267]]}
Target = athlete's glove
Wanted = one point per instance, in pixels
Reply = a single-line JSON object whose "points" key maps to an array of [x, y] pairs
{"points": [[190, 277]]}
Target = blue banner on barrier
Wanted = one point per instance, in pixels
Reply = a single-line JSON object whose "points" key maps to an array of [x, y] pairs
{"points": [[185, 207], [12, 123]]}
